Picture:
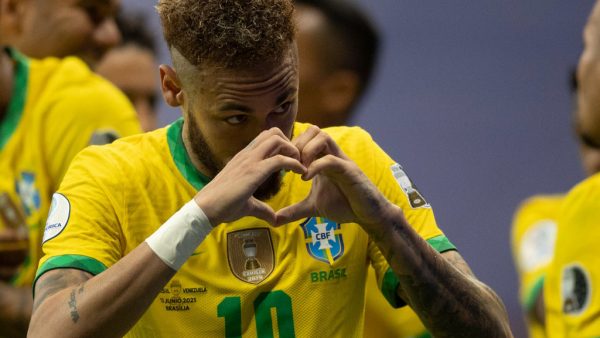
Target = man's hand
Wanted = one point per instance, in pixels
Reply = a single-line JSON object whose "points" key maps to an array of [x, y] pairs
{"points": [[228, 197], [340, 190]]}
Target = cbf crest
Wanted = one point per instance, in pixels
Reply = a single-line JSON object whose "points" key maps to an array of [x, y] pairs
{"points": [[250, 254], [323, 239]]}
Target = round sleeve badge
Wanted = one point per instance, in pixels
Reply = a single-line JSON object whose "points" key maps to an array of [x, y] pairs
{"points": [[60, 210]]}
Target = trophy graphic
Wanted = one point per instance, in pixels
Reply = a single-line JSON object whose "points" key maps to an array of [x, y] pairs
{"points": [[249, 248]]}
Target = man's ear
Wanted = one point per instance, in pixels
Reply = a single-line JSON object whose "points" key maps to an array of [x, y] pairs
{"points": [[170, 86], [12, 16]]}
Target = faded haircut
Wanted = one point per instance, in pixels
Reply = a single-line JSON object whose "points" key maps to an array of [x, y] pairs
{"points": [[233, 34]]}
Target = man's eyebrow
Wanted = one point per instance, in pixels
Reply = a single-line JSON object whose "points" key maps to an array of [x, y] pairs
{"points": [[284, 96], [231, 106]]}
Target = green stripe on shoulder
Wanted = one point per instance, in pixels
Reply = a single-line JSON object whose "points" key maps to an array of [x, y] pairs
{"points": [[441, 243], [390, 281], [17, 100], [78, 262], [532, 294]]}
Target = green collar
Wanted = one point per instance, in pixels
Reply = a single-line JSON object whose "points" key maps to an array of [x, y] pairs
{"points": [[181, 158], [17, 100]]}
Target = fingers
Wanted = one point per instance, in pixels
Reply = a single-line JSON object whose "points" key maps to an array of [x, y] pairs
{"points": [[279, 162], [261, 210], [314, 143], [328, 163], [295, 212]]}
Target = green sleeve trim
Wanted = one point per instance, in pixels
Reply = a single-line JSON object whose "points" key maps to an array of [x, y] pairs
{"points": [[78, 262], [424, 335], [388, 288], [532, 294], [17, 100], [390, 281], [181, 158], [441, 243]]}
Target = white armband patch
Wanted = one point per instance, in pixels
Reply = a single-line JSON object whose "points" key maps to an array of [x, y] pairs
{"points": [[58, 217]]}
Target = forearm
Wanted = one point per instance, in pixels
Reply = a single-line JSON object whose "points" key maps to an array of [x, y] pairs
{"points": [[447, 298], [15, 310], [107, 305]]}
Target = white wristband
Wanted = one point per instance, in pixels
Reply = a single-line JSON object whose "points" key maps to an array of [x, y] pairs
{"points": [[175, 240]]}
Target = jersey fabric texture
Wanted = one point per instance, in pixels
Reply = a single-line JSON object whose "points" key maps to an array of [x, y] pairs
{"points": [[572, 300], [533, 237], [57, 108], [304, 279]]}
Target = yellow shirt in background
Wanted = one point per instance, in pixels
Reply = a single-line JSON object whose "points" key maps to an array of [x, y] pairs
{"points": [[571, 293], [57, 108], [534, 231]]}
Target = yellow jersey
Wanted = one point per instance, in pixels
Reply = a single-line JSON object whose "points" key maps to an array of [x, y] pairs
{"points": [[57, 108], [534, 231], [304, 279], [571, 298]]}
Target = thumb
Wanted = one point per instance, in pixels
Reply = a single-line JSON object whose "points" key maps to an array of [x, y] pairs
{"points": [[295, 212], [261, 210]]}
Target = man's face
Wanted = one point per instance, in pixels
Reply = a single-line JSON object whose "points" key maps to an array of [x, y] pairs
{"points": [[587, 114], [85, 28], [133, 70], [230, 108]]}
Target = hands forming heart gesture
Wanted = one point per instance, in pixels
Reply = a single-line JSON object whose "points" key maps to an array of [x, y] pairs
{"points": [[340, 190]]}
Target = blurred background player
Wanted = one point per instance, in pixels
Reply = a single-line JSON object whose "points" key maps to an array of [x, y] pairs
{"points": [[535, 225], [60, 28], [49, 110], [338, 47], [572, 302], [132, 67], [534, 228]]}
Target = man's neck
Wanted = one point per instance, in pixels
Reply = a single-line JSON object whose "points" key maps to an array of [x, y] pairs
{"points": [[6, 81]]}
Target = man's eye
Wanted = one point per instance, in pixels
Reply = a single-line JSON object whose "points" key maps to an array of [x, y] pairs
{"points": [[236, 119], [284, 108]]}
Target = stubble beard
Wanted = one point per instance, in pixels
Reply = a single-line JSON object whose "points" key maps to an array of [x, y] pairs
{"points": [[204, 154]]}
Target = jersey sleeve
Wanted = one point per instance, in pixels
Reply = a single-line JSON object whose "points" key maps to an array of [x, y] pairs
{"points": [[95, 113], [391, 179], [82, 230], [570, 291], [533, 234]]}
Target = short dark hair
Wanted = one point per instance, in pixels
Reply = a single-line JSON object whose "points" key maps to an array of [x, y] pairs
{"points": [[233, 33], [134, 30], [352, 30]]}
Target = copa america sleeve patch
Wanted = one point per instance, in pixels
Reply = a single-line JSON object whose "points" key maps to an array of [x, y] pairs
{"points": [[58, 217], [415, 198]]}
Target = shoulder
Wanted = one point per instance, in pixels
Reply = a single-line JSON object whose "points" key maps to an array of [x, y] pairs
{"points": [[583, 200], [73, 87], [540, 204]]}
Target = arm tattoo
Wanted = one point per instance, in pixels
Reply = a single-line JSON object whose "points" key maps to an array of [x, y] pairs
{"points": [[73, 307], [443, 290], [56, 280]]}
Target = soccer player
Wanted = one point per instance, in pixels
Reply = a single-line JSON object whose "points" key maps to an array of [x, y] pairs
{"points": [[237, 220], [337, 52], [572, 302], [534, 228], [61, 28], [49, 110], [132, 65]]}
